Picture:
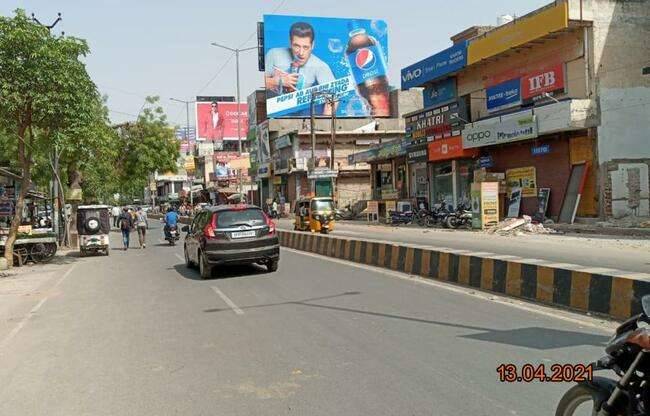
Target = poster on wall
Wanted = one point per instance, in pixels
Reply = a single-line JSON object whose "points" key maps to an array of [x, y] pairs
{"points": [[343, 57], [524, 178], [218, 120], [543, 196], [489, 204], [514, 202]]}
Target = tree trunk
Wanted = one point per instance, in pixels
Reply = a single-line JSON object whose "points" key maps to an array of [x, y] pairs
{"points": [[25, 163]]}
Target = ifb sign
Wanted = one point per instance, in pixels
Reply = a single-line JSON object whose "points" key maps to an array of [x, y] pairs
{"points": [[506, 131]]}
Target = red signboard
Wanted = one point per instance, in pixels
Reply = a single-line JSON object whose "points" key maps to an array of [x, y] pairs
{"points": [[449, 148], [225, 157], [216, 121], [539, 82]]}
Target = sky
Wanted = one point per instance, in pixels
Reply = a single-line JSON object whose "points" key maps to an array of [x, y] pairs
{"points": [[147, 47]]}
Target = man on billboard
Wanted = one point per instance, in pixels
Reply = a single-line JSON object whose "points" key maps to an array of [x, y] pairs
{"points": [[296, 67], [211, 124]]}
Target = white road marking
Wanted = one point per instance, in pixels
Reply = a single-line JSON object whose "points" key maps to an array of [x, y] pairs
{"points": [[35, 309], [602, 324], [229, 302]]}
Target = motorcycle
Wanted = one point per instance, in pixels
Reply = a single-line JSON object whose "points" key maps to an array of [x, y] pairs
{"points": [[172, 235], [398, 218], [628, 354], [461, 217]]}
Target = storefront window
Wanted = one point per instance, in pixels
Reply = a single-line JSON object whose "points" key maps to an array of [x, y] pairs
{"points": [[464, 177], [419, 182], [442, 183], [401, 188]]}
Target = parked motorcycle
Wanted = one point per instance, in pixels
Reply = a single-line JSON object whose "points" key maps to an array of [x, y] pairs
{"points": [[173, 235], [461, 217], [628, 355], [397, 218]]}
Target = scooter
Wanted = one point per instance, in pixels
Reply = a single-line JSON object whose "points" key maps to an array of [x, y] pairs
{"points": [[173, 235], [397, 218], [459, 218]]}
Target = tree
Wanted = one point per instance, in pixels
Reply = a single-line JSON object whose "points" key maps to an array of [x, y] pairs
{"points": [[146, 146], [45, 92]]}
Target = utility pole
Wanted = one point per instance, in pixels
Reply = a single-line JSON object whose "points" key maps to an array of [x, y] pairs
{"points": [[312, 164], [54, 157], [187, 136], [237, 51], [333, 140]]}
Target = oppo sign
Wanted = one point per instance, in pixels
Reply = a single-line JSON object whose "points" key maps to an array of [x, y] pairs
{"points": [[507, 131]]}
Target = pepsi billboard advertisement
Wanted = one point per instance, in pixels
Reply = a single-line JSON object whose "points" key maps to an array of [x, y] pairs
{"points": [[338, 64]]}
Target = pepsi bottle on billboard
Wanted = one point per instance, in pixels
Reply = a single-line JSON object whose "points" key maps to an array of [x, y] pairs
{"points": [[366, 60], [295, 69]]}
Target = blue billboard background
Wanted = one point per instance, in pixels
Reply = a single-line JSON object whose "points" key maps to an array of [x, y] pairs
{"points": [[330, 44], [440, 93], [436, 66], [504, 95]]}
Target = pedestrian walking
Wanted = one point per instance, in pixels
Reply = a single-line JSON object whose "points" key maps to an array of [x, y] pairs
{"points": [[125, 222], [115, 213], [142, 223]]}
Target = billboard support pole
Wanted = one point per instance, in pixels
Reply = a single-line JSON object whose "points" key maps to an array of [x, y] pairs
{"points": [[333, 139], [312, 123]]}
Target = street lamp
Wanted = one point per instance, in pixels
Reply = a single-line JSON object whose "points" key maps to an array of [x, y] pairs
{"points": [[187, 136], [237, 51]]}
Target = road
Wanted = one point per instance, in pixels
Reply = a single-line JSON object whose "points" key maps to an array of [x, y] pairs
{"points": [[137, 333], [627, 254]]}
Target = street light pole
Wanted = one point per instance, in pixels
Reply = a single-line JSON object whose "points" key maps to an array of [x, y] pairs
{"points": [[187, 136], [237, 51]]}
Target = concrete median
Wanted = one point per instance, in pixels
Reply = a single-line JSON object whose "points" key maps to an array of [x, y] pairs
{"points": [[606, 292]]}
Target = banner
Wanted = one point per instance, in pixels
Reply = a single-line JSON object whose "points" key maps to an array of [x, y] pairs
{"points": [[436, 123], [217, 120], [510, 130], [304, 55], [504, 95], [544, 81], [449, 148], [450, 60], [524, 178]]}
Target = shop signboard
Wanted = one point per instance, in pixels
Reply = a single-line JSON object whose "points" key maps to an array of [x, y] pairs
{"points": [[389, 194], [440, 93], [436, 66], [504, 95], [524, 178], [264, 170], [540, 150], [510, 130], [449, 148], [322, 174], [519, 32], [417, 153], [283, 141], [436, 123], [224, 157], [373, 207], [548, 80], [363, 157], [263, 150], [327, 61], [485, 162], [485, 204]]}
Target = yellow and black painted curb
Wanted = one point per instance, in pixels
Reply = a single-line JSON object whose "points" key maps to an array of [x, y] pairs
{"points": [[608, 292]]}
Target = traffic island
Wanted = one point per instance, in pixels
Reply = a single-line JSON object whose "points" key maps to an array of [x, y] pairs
{"points": [[607, 292]]}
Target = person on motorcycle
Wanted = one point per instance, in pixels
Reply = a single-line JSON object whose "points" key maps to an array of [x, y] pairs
{"points": [[171, 220]]}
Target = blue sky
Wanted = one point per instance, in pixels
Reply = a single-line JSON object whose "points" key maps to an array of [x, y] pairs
{"points": [[162, 47]]}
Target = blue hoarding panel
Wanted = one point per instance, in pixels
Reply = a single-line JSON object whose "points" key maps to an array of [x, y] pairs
{"points": [[450, 60], [343, 57], [440, 93], [504, 95]]}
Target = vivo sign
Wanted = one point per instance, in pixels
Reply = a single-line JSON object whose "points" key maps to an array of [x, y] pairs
{"points": [[450, 60]]}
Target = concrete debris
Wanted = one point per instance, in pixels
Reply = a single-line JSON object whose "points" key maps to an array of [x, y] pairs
{"points": [[520, 226], [645, 224]]}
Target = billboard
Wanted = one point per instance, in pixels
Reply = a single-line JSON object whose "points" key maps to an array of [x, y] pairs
{"points": [[217, 120], [504, 95], [343, 57], [436, 66], [439, 93]]}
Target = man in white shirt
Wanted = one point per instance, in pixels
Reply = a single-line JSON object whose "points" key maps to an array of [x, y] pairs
{"points": [[115, 213]]}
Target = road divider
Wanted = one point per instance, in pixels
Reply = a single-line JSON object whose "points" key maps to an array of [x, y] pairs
{"points": [[613, 293]]}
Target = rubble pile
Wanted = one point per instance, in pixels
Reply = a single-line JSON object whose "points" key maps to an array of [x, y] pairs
{"points": [[520, 226]]}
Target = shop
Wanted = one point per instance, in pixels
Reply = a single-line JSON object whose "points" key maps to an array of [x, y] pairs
{"points": [[451, 170], [417, 163]]}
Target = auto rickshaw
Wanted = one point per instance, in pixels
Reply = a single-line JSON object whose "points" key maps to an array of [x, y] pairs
{"points": [[93, 226], [317, 215]]}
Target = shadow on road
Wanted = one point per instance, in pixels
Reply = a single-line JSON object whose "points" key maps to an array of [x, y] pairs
{"points": [[224, 272], [538, 338]]}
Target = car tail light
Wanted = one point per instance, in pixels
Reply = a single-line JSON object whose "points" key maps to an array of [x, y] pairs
{"points": [[209, 229], [270, 223]]}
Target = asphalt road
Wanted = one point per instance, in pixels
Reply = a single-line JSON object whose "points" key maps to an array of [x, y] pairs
{"points": [[627, 254], [137, 333]]}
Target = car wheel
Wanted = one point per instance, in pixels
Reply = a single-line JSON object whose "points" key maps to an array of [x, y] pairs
{"points": [[205, 270], [188, 262], [272, 265], [107, 252]]}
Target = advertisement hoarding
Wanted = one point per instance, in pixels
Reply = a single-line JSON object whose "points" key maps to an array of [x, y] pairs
{"points": [[504, 95], [439, 93], [547, 80], [449, 148], [511, 130], [218, 120], [436, 123], [343, 57], [450, 60]]}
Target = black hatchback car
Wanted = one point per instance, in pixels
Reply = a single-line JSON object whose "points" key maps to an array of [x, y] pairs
{"points": [[228, 235]]}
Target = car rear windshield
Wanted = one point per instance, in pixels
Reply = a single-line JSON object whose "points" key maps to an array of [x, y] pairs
{"points": [[249, 216]]}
